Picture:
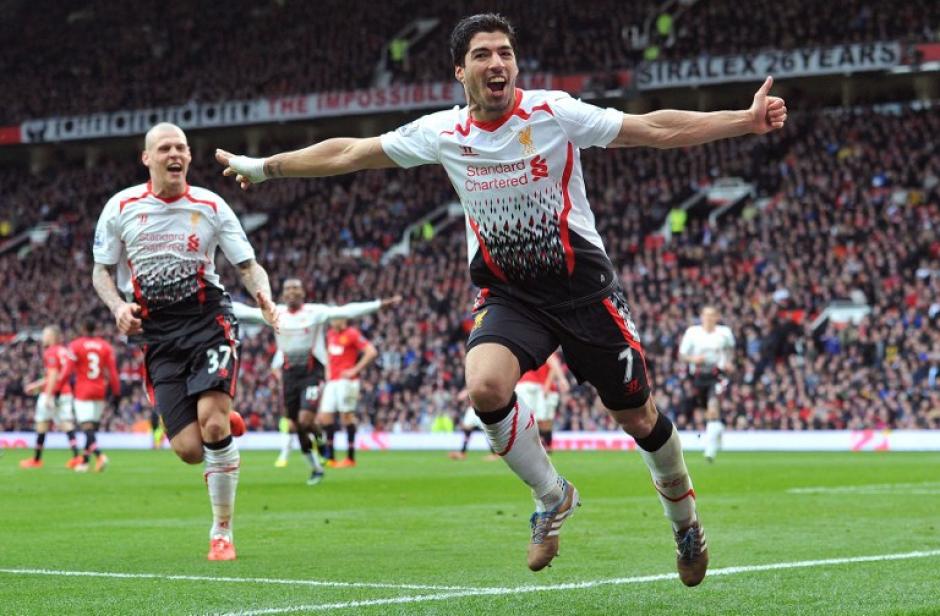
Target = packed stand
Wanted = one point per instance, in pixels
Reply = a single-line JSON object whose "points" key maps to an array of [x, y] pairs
{"points": [[136, 55], [721, 27]]}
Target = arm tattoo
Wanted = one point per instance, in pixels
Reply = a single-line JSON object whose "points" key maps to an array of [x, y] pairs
{"points": [[254, 278], [273, 168], [102, 278]]}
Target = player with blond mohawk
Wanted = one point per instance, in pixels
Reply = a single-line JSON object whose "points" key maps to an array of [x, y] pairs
{"points": [[513, 156]]}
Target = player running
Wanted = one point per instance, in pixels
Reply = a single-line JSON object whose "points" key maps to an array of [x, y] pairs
{"points": [[349, 354], [545, 278], [92, 361], [55, 399], [709, 350], [159, 239], [300, 360]]}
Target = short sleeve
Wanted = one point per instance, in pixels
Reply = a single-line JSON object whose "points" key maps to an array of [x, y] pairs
{"points": [[412, 144], [107, 245], [586, 125], [232, 239], [359, 340]]}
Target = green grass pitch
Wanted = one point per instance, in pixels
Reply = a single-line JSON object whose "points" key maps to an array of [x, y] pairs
{"points": [[417, 533]]}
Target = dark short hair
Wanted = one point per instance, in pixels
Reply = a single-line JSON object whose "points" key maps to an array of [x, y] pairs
{"points": [[89, 326], [467, 27]]}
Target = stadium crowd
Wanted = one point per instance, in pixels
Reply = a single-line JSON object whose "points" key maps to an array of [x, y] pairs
{"points": [[133, 52], [848, 203], [722, 28]]}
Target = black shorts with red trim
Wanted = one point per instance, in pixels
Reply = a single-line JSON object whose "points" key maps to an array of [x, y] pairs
{"points": [[706, 386], [202, 356], [302, 388], [599, 340]]}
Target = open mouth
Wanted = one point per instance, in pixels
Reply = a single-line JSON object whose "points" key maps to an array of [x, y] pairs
{"points": [[175, 167], [497, 85]]}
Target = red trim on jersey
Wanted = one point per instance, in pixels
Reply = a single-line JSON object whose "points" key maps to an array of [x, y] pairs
{"points": [[171, 199], [227, 330], [463, 130], [138, 294], [486, 253], [130, 200], [563, 223], [517, 110], [622, 326], [691, 493], [201, 281], [212, 204], [512, 434]]}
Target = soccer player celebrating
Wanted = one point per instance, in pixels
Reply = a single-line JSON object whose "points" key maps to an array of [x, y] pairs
{"points": [[708, 349], [349, 354], [91, 359], [55, 398], [302, 355], [160, 240], [513, 158]]}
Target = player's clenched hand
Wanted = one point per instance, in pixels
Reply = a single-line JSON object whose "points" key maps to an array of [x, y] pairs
{"points": [[126, 318], [767, 112], [391, 301], [247, 170], [269, 311]]}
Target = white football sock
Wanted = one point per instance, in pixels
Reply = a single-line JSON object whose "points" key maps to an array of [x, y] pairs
{"points": [[713, 431], [516, 440], [222, 479], [313, 458], [285, 445], [672, 481]]}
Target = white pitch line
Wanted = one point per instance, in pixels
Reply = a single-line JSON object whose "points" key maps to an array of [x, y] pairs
{"points": [[582, 585], [924, 487], [202, 578]]}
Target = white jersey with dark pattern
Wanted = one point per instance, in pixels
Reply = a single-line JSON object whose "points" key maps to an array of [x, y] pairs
{"points": [[530, 228], [164, 249]]}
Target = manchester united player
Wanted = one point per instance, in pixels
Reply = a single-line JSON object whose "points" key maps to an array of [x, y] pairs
{"points": [[349, 354], [55, 398], [92, 360], [160, 239], [513, 157], [539, 390], [301, 358]]}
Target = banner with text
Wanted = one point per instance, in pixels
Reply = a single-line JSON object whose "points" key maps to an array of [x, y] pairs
{"points": [[708, 70], [398, 97]]}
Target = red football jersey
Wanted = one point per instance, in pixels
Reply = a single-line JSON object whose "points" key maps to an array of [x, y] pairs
{"points": [[92, 358], [343, 349], [539, 375], [57, 358]]}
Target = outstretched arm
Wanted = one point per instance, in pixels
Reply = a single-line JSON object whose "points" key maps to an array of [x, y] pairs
{"points": [[670, 128], [330, 157], [359, 309]]}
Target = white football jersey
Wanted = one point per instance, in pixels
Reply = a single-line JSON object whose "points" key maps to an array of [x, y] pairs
{"points": [[530, 229], [717, 347], [302, 330], [164, 250]]}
